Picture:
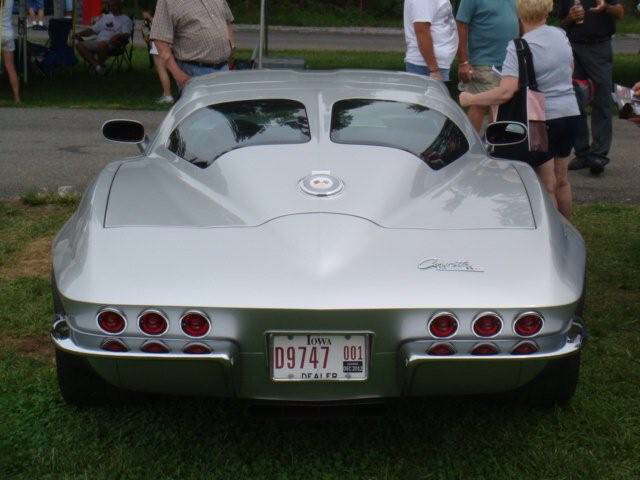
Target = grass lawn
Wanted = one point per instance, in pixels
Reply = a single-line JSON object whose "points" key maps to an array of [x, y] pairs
{"points": [[139, 88], [596, 437]]}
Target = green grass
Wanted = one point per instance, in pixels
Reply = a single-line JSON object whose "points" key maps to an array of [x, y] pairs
{"points": [[596, 437], [139, 88]]}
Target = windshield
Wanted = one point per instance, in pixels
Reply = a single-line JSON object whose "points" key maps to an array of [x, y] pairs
{"points": [[420, 130], [209, 132]]}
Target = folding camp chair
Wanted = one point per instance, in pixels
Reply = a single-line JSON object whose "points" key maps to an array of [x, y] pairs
{"points": [[56, 54], [122, 55]]}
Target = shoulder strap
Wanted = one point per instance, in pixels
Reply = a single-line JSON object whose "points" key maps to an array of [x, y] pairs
{"points": [[525, 64]]}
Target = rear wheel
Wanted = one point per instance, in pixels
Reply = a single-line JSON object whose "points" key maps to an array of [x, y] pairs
{"points": [[79, 384], [555, 385]]}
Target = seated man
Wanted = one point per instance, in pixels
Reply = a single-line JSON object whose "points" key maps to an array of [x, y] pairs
{"points": [[112, 31]]}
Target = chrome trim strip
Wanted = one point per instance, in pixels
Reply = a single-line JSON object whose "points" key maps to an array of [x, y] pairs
{"points": [[519, 316], [114, 310], [67, 345]]}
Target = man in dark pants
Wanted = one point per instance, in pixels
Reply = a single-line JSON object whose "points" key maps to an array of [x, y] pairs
{"points": [[590, 25]]}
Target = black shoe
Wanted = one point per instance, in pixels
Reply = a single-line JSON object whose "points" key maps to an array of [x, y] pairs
{"points": [[598, 164], [578, 163]]}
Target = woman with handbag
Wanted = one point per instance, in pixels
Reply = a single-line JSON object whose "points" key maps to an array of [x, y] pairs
{"points": [[545, 54]]}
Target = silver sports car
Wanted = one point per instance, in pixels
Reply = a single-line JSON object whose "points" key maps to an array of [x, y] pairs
{"points": [[317, 237]]}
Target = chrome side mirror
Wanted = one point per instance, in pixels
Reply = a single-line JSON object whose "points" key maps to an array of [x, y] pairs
{"points": [[125, 131], [505, 133]]}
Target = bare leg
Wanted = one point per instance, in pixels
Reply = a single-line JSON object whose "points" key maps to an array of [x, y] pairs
{"points": [[546, 174], [10, 67], [476, 116], [32, 16], [563, 187], [163, 75], [41, 16], [86, 53]]}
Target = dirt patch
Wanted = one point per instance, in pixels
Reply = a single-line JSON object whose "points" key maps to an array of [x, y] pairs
{"points": [[38, 347], [34, 260]]}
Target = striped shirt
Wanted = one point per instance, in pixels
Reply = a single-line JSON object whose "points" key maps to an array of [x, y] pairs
{"points": [[197, 29]]}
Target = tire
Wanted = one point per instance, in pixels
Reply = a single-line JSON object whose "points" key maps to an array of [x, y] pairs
{"points": [[80, 385], [555, 385]]}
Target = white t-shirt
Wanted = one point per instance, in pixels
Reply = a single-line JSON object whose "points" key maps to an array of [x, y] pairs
{"points": [[110, 25], [443, 30]]}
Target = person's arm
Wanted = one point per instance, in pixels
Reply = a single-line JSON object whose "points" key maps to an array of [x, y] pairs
{"points": [[496, 96], [616, 10], [85, 33], [166, 54], [465, 72], [228, 16], [425, 45], [569, 16], [464, 16]]}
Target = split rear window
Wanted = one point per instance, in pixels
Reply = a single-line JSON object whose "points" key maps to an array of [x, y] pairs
{"points": [[212, 131], [417, 129]]}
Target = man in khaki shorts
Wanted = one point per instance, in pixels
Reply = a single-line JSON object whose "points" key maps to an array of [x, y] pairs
{"points": [[485, 27]]}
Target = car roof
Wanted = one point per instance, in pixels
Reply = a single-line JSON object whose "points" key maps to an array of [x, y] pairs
{"points": [[316, 81]]}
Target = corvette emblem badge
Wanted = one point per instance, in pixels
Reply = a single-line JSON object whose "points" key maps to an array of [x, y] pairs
{"points": [[321, 184], [439, 266]]}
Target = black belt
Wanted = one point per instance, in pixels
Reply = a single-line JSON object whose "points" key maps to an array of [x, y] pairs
{"points": [[216, 66], [593, 41]]}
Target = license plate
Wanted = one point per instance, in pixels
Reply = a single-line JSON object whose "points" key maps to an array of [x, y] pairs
{"points": [[319, 357]]}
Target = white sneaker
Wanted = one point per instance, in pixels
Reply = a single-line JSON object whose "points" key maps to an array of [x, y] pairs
{"points": [[165, 99], [100, 70]]}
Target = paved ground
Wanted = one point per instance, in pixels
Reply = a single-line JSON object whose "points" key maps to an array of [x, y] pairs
{"points": [[362, 39], [49, 148]]}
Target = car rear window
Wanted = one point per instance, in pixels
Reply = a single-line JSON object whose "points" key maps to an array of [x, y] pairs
{"points": [[417, 129], [211, 131]]}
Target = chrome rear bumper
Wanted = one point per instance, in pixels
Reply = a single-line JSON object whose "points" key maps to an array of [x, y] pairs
{"points": [[410, 370]]}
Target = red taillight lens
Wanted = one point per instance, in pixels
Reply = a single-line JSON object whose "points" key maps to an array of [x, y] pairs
{"points": [[525, 348], [441, 350], [195, 324], [443, 325], [484, 349], [487, 325], [152, 322], [114, 345], [197, 349], [155, 347], [111, 321], [528, 324]]}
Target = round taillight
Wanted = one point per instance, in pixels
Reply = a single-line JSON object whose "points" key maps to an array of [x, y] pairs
{"points": [[114, 345], [152, 322], [195, 324], [443, 325], [441, 350], [487, 325], [528, 324], [197, 349], [484, 349], [111, 321], [525, 348], [155, 347]]}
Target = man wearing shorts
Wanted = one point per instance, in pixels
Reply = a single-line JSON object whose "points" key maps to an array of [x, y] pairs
{"points": [[111, 31], [485, 27]]}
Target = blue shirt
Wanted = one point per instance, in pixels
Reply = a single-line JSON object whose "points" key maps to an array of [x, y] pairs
{"points": [[492, 25]]}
